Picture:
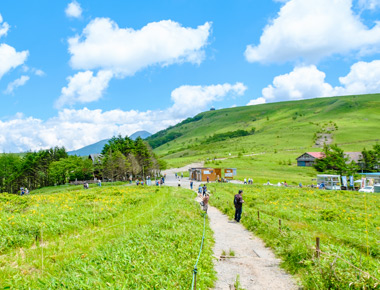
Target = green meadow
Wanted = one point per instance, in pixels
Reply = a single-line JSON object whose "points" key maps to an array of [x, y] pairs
{"points": [[121, 237], [347, 223]]}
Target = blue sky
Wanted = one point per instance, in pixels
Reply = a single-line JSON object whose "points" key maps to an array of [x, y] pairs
{"points": [[75, 72]]}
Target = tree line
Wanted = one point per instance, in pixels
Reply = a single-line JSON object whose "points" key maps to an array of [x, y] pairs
{"points": [[335, 161], [122, 158]]}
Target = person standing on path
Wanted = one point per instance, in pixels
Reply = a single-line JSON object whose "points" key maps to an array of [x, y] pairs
{"points": [[238, 202], [204, 188], [205, 202], [191, 184]]}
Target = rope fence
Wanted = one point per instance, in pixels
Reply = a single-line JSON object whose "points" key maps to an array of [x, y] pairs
{"points": [[195, 270], [317, 249]]}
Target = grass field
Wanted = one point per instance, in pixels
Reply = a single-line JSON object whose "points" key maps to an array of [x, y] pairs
{"points": [[347, 223], [122, 237], [284, 131]]}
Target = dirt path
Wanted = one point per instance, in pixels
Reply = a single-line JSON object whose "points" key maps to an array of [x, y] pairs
{"points": [[254, 265]]}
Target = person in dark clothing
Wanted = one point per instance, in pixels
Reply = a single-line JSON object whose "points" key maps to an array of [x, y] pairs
{"points": [[204, 189], [238, 202]]}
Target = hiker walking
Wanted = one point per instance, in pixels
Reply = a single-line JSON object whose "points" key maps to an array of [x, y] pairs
{"points": [[238, 202], [205, 202], [191, 184]]}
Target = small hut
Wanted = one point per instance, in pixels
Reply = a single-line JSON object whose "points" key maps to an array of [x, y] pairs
{"points": [[201, 174]]}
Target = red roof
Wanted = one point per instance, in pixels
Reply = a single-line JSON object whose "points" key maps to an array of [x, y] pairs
{"points": [[318, 155]]}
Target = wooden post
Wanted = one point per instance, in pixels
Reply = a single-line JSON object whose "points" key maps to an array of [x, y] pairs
{"points": [[317, 248], [42, 249], [258, 215], [279, 225]]}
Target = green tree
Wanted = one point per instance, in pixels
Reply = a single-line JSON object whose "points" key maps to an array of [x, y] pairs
{"points": [[371, 158], [115, 166], [10, 168], [70, 169], [335, 161]]}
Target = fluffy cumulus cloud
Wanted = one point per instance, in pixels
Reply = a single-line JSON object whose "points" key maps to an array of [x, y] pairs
{"points": [[302, 83], [103, 45], [363, 78], [73, 10], [120, 52], [4, 27], [311, 30], [16, 83], [77, 128], [188, 100], [84, 87], [308, 82], [10, 58], [257, 101]]}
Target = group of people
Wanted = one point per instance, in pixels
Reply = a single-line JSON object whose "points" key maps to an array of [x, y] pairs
{"points": [[178, 175], [250, 181], [204, 195], [24, 191]]}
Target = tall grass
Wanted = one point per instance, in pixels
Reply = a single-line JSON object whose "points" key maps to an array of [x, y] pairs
{"points": [[116, 237]]}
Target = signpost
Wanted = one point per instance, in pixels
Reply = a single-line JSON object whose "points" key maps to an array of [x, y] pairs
{"points": [[229, 173]]}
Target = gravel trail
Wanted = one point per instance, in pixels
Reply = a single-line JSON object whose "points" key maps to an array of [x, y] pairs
{"points": [[253, 265]]}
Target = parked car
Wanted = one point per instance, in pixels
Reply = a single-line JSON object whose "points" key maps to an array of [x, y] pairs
{"points": [[367, 189]]}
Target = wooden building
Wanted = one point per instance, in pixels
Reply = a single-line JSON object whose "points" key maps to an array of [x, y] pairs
{"points": [[201, 174], [308, 158]]}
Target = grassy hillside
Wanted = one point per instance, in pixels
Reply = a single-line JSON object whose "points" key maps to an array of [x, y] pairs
{"points": [[119, 237], [282, 132]]}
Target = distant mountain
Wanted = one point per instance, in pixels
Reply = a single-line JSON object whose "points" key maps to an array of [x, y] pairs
{"points": [[97, 147], [142, 134]]}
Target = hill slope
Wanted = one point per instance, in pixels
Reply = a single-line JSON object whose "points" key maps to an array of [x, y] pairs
{"points": [[283, 131]]}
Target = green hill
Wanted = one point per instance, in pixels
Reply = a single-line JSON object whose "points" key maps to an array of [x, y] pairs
{"points": [[282, 132]]}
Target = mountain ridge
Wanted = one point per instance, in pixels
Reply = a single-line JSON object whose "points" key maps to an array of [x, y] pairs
{"points": [[97, 147]]}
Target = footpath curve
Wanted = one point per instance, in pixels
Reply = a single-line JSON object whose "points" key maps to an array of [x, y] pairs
{"points": [[253, 265]]}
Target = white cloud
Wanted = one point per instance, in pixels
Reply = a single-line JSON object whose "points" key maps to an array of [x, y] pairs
{"points": [[10, 58], [363, 78], [77, 128], [38, 72], [84, 87], [73, 10], [189, 100], [120, 52], [369, 4], [302, 83], [4, 27], [103, 45], [257, 101], [15, 84], [311, 30], [308, 82]]}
